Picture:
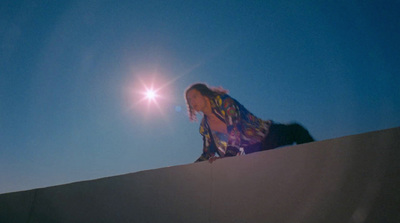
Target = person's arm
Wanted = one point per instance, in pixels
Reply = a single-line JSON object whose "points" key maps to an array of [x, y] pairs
{"points": [[203, 157], [207, 152], [231, 110]]}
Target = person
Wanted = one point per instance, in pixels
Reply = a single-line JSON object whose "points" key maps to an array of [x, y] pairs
{"points": [[229, 129]]}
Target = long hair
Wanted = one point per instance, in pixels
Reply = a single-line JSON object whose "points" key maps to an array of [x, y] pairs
{"points": [[205, 90]]}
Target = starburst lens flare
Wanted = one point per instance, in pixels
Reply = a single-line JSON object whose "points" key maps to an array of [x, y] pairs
{"points": [[151, 95], [148, 94]]}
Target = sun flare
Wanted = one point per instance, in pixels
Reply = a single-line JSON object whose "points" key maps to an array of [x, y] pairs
{"points": [[151, 94]]}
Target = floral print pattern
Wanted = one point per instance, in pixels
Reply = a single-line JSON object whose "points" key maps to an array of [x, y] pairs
{"points": [[244, 128]]}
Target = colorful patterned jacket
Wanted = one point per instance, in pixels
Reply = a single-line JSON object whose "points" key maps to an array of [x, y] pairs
{"points": [[244, 129]]}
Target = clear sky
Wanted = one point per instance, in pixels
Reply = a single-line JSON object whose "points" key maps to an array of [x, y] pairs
{"points": [[72, 73]]}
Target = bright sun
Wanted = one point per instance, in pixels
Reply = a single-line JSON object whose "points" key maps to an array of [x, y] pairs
{"points": [[151, 94]]}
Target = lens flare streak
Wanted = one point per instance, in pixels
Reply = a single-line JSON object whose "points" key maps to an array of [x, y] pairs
{"points": [[148, 95]]}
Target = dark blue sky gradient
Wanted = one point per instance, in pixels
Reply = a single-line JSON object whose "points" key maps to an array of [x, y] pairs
{"points": [[66, 70]]}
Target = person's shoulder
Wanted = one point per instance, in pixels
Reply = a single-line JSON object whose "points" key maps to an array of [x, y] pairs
{"points": [[227, 100], [223, 98]]}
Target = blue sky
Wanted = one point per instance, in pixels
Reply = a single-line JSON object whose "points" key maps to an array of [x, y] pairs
{"points": [[70, 73]]}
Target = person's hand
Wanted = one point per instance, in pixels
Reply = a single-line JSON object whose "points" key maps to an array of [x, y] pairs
{"points": [[212, 159]]}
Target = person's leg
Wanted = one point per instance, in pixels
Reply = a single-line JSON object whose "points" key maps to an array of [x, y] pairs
{"points": [[301, 135], [283, 135]]}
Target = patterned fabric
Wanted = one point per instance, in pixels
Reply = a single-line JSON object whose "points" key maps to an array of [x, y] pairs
{"points": [[221, 141], [244, 129]]}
